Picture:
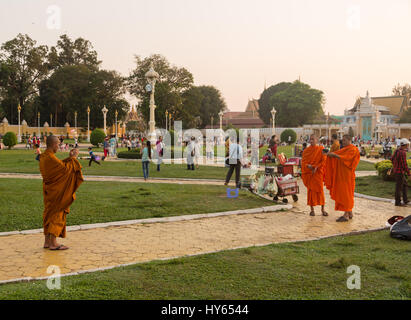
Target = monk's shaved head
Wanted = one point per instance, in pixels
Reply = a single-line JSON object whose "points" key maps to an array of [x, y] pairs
{"points": [[313, 139], [346, 140], [52, 143], [51, 140]]}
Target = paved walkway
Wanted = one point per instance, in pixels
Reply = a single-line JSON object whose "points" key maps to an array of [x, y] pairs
{"points": [[22, 256]]}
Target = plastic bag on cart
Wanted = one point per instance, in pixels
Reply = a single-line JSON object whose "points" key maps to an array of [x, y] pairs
{"points": [[266, 184], [401, 229]]}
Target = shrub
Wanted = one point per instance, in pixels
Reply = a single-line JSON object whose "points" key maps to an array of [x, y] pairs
{"points": [[133, 154], [288, 133], [10, 139], [97, 136]]}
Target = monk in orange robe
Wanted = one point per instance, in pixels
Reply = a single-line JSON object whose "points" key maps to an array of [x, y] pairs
{"points": [[312, 173], [61, 179], [340, 177], [335, 143]]}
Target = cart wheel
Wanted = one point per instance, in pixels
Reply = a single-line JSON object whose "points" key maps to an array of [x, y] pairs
{"points": [[295, 198], [285, 200], [275, 198]]}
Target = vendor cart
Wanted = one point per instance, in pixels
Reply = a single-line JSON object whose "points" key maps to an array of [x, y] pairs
{"points": [[286, 188]]}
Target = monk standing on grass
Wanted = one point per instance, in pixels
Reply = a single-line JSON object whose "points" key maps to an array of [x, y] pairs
{"points": [[312, 172], [61, 179], [340, 177]]}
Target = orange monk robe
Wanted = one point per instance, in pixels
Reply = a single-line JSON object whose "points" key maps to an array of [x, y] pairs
{"points": [[61, 179], [340, 177], [335, 146], [314, 156]]}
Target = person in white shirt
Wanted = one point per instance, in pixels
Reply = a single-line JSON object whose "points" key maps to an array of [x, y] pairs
{"points": [[191, 153], [235, 155]]}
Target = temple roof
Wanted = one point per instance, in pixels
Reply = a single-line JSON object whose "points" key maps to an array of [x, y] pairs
{"points": [[252, 106], [395, 104]]}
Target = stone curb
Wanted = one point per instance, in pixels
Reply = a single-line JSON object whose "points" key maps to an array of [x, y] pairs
{"points": [[360, 195], [157, 220], [27, 279]]}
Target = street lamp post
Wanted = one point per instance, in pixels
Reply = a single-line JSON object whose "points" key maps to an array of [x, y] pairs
{"points": [[75, 122], [38, 123], [166, 119], [169, 119], [273, 112], [116, 113], [104, 110], [19, 136], [212, 118], [88, 124], [220, 114], [152, 77], [51, 119]]}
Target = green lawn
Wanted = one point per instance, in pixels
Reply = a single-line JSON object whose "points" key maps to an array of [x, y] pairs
{"points": [[22, 161], [22, 202], [365, 166], [375, 186], [310, 270]]}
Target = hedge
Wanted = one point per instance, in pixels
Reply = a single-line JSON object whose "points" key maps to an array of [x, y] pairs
{"points": [[10, 139]]}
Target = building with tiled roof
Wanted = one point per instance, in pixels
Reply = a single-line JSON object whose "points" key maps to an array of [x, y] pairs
{"points": [[245, 120]]}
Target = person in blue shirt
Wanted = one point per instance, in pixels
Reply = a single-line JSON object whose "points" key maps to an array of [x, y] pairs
{"points": [[92, 157]]}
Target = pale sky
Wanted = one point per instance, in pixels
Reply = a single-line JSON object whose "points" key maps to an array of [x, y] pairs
{"points": [[343, 48]]}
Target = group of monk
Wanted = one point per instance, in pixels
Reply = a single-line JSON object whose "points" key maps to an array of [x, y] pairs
{"points": [[334, 168]]}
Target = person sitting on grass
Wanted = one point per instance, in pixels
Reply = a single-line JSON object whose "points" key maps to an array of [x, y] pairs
{"points": [[92, 157], [267, 156]]}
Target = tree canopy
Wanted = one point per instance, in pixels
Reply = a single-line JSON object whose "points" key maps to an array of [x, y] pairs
{"points": [[297, 99]]}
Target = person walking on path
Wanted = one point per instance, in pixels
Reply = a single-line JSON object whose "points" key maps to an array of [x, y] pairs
{"points": [[92, 157], [106, 146], [191, 153], [61, 179], [160, 151], [312, 174], [235, 155], [340, 177], [401, 171], [145, 158]]}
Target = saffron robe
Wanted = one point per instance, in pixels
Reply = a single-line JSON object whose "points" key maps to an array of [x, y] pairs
{"points": [[313, 155], [61, 179], [335, 146], [340, 177]]}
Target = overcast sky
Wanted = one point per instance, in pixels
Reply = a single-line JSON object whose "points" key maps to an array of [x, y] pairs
{"points": [[343, 48]]}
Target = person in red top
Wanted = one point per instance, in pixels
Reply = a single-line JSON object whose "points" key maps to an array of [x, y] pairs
{"points": [[401, 171]]}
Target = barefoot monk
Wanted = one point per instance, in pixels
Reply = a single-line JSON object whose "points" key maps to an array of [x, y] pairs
{"points": [[312, 173], [61, 179], [340, 177]]}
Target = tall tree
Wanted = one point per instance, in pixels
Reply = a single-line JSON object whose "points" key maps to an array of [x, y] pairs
{"points": [[297, 105], [23, 65], [265, 105], [69, 53], [406, 116], [402, 90], [170, 86]]}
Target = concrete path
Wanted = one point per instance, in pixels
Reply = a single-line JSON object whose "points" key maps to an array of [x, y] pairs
{"points": [[22, 256]]}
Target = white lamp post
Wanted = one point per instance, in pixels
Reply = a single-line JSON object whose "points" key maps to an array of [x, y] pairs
{"points": [[19, 135], [166, 119], [38, 123], [220, 114], [75, 122], [88, 124], [104, 110], [273, 112], [116, 114], [152, 77]]}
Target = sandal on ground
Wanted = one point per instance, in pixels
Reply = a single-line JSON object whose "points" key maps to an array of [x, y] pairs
{"points": [[60, 247], [342, 219], [325, 213], [351, 215], [312, 213]]}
